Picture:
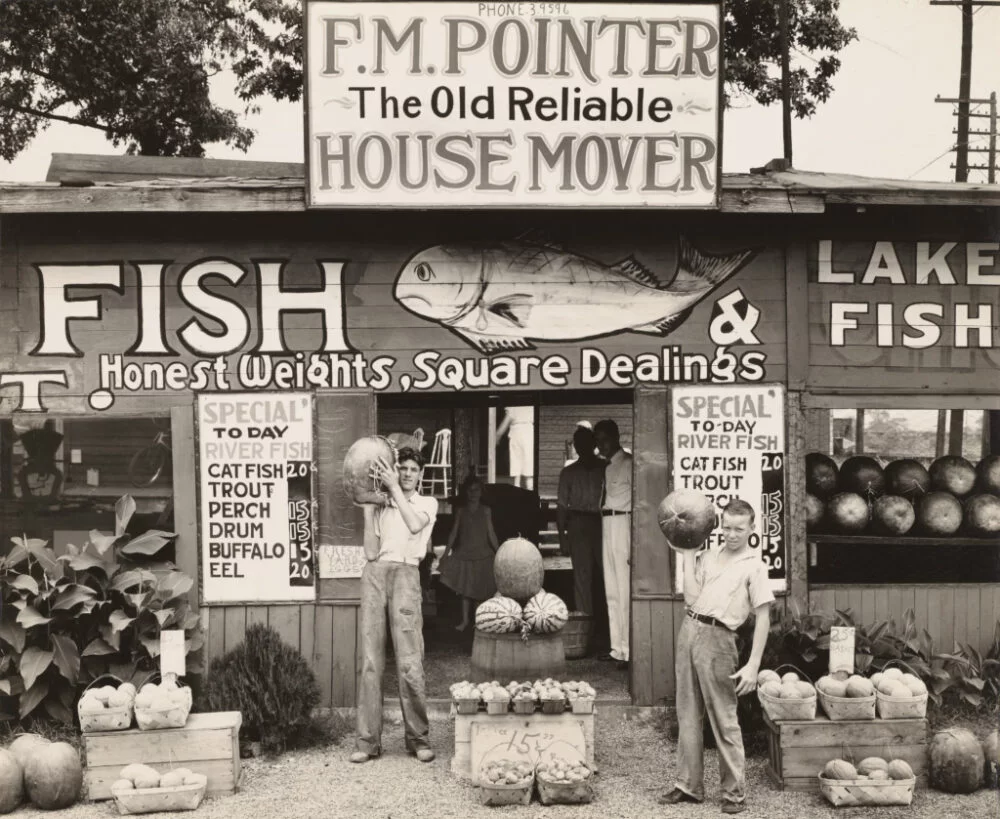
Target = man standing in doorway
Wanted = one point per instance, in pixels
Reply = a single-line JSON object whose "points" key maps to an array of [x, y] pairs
{"points": [[397, 538], [616, 519], [578, 515]]}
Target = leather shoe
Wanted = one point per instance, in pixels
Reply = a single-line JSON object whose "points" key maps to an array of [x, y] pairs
{"points": [[675, 796], [424, 754], [360, 756], [608, 658], [733, 807]]}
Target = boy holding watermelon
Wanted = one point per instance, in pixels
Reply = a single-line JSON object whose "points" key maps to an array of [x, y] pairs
{"points": [[722, 587], [397, 537]]}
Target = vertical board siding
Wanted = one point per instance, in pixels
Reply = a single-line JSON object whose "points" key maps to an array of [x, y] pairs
{"points": [[962, 613], [345, 656], [323, 653], [663, 615], [652, 559], [641, 650]]}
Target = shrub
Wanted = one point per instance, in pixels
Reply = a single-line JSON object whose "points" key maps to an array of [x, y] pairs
{"points": [[270, 683]]}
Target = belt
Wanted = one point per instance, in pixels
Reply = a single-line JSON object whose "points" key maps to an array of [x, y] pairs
{"points": [[607, 513], [585, 512], [709, 621]]}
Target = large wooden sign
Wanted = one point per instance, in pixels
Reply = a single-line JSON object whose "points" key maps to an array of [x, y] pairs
{"points": [[255, 476], [536, 104], [728, 442]]}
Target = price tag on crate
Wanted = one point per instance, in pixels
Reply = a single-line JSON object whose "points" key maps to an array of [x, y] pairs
{"points": [[842, 649], [172, 654]]}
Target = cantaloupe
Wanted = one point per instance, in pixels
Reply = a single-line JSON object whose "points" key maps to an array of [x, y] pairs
{"points": [[859, 687], [767, 675], [878, 775], [791, 676], [840, 769], [772, 688], [806, 689], [171, 779], [122, 785], [872, 763], [900, 769], [790, 691], [892, 674], [835, 688], [876, 678]]}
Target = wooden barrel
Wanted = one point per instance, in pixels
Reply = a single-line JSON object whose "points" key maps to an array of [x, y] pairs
{"points": [[506, 657], [576, 635]]}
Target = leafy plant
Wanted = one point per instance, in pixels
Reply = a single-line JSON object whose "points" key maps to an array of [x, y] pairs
{"points": [[270, 683], [65, 621]]}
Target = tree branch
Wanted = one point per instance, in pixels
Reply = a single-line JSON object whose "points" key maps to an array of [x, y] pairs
{"points": [[59, 117]]}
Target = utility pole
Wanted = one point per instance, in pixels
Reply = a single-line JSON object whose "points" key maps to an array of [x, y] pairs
{"points": [[991, 166], [964, 81], [786, 90]]}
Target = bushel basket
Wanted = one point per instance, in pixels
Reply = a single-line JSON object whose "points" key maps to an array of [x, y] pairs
{"points": [[172, 716], [867, 792], [109, 718], [901, 707], [494, 794], [837, 708], [155, 800], [564, 793]]}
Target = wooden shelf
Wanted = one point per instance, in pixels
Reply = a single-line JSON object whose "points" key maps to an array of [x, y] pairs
{"points": [[900, 540]]}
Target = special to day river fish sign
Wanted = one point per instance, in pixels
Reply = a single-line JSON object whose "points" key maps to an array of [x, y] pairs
{"points": [[528, 104], [255, 469], [728, 443]]}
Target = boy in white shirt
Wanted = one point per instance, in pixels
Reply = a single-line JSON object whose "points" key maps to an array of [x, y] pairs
{"points": [[721, 589]]}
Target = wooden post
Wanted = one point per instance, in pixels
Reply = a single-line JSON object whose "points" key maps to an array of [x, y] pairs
{"points": [[185, 484], [942, 435], [956, 432], [964, 91], [796, 549], [786, 90]]}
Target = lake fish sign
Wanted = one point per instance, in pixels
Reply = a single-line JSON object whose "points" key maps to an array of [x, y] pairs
{"points": [[534, 104]]}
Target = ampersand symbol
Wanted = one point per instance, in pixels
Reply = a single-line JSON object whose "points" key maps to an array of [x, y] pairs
{"points": [[733, 320]]}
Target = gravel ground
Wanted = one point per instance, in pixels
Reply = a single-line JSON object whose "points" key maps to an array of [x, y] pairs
{"points": [[633, 756]]}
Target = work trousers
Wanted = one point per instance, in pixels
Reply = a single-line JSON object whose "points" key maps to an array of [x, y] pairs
{"points": [[390, 595], [617, 535], [706, 657], [584, 532]]}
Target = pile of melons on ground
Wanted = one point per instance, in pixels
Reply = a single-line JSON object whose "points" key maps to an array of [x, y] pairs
{"points": [[49, 773], [547, 689], [562, 771], [506, 772], [788, 686], [141, 777], [873, 768], [95, 700]]}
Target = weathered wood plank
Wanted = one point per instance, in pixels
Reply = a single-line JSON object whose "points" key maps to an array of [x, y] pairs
{"points": [[256, 614], [796, 547], [215, 644], [307, 632], [236, 626], [66, 167], [652, 568], [641, 652], [973, 603], [185, 498], [822, 601], [664, 650], [285, 621], [883, 610], [868, 606], [824, 733], [323, 653], [344, 639]]}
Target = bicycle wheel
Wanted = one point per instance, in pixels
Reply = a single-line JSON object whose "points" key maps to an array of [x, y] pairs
{"points": [[147, 465]]}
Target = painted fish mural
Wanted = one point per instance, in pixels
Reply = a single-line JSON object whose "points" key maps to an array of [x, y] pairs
{"points": [[504, 297]]}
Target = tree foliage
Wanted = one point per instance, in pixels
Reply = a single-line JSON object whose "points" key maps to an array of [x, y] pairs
{"points": [[140, 70]]}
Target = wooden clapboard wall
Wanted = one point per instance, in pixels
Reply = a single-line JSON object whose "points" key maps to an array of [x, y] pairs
{"points": [[962, 613]]}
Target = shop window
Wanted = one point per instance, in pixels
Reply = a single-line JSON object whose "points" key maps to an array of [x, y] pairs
{"points": [[911, 496], [60, 478]]}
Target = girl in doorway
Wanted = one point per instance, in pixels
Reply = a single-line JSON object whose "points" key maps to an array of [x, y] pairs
{"points": [[467, 564]]}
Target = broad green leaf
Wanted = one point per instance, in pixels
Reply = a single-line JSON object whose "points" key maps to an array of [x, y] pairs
{"points": [[19, 604], [119, 620], [138, 601], [24, 582], [190, 621], [33, 697], [34, 661], [66, 656], [17, 555], [111, 636], [174, 584], [152, 645], [148, 543], [101, 541], [82, 563], [30, 616], [194, 667], [58, 711], [975, 682], [124, 509], [98, 647], [13, 634], [44, 555], [163, 616], [11, 686], [195, 643], [131, 578], [72, 595]]}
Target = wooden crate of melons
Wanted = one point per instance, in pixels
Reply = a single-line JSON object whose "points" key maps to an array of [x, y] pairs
{"points": [[208, 744], [799, 749]]}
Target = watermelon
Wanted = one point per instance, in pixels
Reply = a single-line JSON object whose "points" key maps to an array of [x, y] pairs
{"points": [[545, 613], [957, 761], [518, 569], [358, 482], [498, 615]]}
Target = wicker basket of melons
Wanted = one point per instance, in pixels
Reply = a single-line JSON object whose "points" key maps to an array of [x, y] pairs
{"points": [[106, 707], [166, 705], [142, 789], [850, 698], [564, 782], [787, 696], [506, 782], [900, 695], [873, 782]]}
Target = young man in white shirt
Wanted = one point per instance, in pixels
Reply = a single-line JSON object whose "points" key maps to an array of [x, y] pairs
{"points": [[721, 589], [397, 538], [616, 531]]}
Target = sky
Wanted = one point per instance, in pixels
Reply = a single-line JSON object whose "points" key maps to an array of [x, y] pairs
{"points": [[881, 120]]}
